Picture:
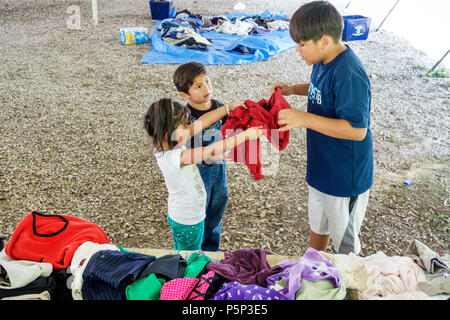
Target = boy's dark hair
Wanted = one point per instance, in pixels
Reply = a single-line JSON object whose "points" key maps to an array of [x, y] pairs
{"points": [[183, 77], [313, 20], [163, 117]]}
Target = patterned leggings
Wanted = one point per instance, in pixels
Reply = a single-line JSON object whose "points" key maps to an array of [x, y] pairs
{"points": [[186, 237]]}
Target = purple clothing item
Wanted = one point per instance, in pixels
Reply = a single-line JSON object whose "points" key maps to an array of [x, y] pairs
{"points": [[238, 291], [312, 266], [247, 266]]}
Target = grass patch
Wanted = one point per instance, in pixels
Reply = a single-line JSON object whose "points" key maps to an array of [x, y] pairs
{"points": [[438, 219], [432, 184], [439, 74]]}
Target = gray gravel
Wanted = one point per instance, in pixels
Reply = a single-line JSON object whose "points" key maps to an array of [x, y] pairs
{"points": [[72, 142]]}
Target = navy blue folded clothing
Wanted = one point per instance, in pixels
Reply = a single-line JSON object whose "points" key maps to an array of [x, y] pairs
{"points": [[170, 266], [109, 272]]}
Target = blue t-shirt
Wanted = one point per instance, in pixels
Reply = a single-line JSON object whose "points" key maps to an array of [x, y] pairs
{"points": [[340, 89]]}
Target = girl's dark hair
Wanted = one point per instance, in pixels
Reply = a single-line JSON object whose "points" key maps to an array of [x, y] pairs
{"points": [[184, 75], [162, 119], [313, 20]]}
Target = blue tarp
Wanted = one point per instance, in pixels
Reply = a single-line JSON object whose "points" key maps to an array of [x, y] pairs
{"points": [[221, 51]]}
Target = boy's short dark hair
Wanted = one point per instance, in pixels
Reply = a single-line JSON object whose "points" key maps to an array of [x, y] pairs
{"points": [[313, 20], [183, 77]]}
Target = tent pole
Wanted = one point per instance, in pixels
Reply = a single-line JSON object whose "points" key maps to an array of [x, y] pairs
{"points": [[387, 15], [437, 63]]}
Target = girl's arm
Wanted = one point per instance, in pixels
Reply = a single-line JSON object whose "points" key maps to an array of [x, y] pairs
{"points": [[205, 121], [197, 155], [209, 118]]}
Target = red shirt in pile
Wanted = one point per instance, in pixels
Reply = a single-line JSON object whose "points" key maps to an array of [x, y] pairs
{"points": [[52, 238], [263, 113]]}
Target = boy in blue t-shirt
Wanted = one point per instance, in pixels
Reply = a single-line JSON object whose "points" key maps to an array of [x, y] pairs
{"points": [[339, 142]]}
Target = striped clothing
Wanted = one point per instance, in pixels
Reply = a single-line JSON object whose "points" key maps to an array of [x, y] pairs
{"points": [[109, 272]]}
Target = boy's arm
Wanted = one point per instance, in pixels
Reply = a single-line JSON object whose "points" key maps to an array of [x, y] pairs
{"points": [[197, 155], [336, 128], [300, 89], [209, 118]]}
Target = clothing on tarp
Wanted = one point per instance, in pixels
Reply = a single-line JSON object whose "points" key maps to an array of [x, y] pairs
{"points": [[170, 266], [354, 273], [109, 272], [311, 266], [247, 266], [63, 290], [196, 263], [242, 274], [162, 270], [398, 275], [257, 44], [320, 290], [182, 32], [147, 288], [154, 276], [79, 262], [436, 285], [45, 295], [51, 238], [37, 286], [426, 258], [256, 114], [187, 288], [409, 295], [237, 27], [278, 25], [19, 273], [216, 283], [238, 291]]}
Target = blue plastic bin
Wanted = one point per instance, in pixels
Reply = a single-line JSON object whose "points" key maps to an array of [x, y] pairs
{"points": [[356, 27], [161, 9]]}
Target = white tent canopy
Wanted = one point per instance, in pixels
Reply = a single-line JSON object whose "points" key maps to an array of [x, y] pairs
{"points": [[425, 24]]}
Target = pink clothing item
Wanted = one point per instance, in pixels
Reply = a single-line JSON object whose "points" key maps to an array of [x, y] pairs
{"points": [[398, 275], [186, 288]]}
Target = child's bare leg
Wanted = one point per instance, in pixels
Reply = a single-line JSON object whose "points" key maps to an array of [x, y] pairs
{"points": [[318, 241]]}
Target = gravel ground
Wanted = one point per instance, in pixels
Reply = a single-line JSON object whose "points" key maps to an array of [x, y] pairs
{"points": [[72, 142]]}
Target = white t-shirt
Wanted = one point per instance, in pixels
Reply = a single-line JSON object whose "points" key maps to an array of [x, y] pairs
{"points": [[187, 194]]}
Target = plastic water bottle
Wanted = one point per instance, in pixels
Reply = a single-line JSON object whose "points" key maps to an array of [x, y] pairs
{"points": [[134, 35], [407, 182]]}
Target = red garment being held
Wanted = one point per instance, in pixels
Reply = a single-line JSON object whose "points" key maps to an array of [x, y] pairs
{"points": [[263, 113]]}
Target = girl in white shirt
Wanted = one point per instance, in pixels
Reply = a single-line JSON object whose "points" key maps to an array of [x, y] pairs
{"points": [[166, 122]]}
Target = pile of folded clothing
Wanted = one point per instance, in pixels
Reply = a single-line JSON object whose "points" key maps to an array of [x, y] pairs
{"points": [[183, 33], [184, 29], [61, 257], [249, 25]]}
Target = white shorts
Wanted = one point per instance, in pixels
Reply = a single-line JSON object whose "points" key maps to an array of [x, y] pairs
{"points": [[339, 217]]}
